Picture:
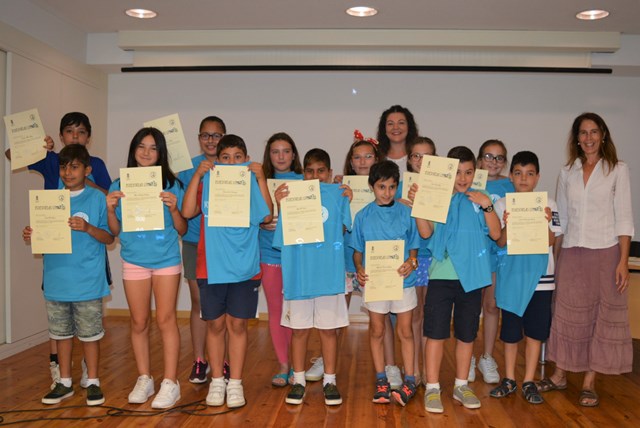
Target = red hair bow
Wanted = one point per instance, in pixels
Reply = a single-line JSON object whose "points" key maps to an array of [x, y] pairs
{"points": [[357, 136]]}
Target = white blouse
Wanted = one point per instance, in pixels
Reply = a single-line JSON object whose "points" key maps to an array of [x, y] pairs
{"points": [[593, 216]]}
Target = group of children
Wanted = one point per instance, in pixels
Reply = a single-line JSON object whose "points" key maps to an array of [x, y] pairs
{"points": [[306, 285]]}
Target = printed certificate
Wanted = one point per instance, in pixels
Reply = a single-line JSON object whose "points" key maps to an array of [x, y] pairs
{"points": [[382, 260], [229, 196], [433, 198], [49, 212], [170, 126], [528, 228], [408, 178], [26, 138], [142, 208], [480, 179], [362, 193], [301, 213], [272, 185]]}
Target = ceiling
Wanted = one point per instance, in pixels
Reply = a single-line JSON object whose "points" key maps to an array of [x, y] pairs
{"points": [[107, 16]]}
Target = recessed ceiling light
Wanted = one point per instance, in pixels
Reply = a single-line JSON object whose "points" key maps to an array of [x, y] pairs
{"points": [[141, 13], [591, 15], [361, 11]]}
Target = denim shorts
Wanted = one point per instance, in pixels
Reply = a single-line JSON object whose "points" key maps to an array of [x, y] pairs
{"points": [[82, 319]]}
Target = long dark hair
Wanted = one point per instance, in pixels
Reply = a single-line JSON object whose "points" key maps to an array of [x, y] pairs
{"points": [[168, 177], [412, 131], [267, 166]]}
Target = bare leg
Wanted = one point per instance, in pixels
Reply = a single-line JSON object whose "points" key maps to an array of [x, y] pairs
{"points": [[216, 344], [165, 292], [138, 295], [65, 348], [434, 351], [510, 356], [490, 316], [405, 333], [376, 335], [389, 343], [299, 341], [463, 359], [197, 326], [417, 322], [329, 343], [237, 329]]}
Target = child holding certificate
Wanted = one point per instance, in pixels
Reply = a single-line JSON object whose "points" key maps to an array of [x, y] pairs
{"points": [[281, 161], [524, 289], [460, 268], [211, 130], [381, 220], [74, 284], [228, 263], [313, 280], [151, 264]]}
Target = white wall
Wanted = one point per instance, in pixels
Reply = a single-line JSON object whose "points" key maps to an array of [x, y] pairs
{"points": [[321, 109]]}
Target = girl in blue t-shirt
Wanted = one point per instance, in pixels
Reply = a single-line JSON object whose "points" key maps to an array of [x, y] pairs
{"points": [[151, 264], [492, 157], [281, 161]]}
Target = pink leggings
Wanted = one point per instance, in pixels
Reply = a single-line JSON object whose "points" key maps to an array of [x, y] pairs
{"points": [[280, 336]]}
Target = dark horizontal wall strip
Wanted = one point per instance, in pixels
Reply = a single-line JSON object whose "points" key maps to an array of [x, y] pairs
{"points": [[367, 68]]}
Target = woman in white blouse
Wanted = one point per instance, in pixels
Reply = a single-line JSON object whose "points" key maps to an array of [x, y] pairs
{"points": [[590, 329]]}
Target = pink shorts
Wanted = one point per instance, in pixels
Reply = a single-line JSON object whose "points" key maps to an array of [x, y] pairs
{"points": [[133, 272]]}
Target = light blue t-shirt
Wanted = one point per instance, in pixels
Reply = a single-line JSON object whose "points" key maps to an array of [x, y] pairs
{"points": [[376, 223], [268, 254], [232, 253], [152, 249], [317, 269], [193, 224], [79, 276], [498, 189]]}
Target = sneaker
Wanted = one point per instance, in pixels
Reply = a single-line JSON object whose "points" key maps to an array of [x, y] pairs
{"points": [[57, 394], [84, 379], [472, 370], [142, 391], [226, 371], [394, 376], [316, 372], [404, 394], [331, 395], [54, 368], [217, 390], [489, 369], [199, 371], [95, 397], [168, 395], [432, 401], [383, 392], [295, 395], [531, 394], [466, 397], [235, 395]]}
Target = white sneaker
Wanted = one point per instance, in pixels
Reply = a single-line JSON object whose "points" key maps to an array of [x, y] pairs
{"points": [[168, 395], [217, 389], [316, 372], [54, 368], [489, 369], [393, 376], [235, 395], [142, 391], [84, 380], [472, 370]]}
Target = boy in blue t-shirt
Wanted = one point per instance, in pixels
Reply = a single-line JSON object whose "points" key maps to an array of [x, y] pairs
{"points": [[524, 288], [228, 270], [385, 219], [460, 268], [313, 281], [74, 284]]}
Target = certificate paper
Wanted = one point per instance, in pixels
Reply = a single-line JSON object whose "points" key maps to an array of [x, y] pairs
{"points": [[301, 213], [142, 208], [362, 193], [437, 177], [49, 212], [382, 260], [229, 196], [272, 185], [480, 179], [26, 138], [408, 178], [528, 228], [179, 158]]}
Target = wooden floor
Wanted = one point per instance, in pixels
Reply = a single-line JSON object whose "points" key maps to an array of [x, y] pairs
{"points": [[24, 378]]}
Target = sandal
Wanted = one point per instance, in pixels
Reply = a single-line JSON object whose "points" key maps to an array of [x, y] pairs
{"points": [[282, 379], [588, 398], [531, 394], [546, 385], [507, 387]]}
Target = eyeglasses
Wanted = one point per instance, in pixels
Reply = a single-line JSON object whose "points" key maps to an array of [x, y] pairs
{"points": [[489, 157], [360, 157], [205, 136], [418, 156]]}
